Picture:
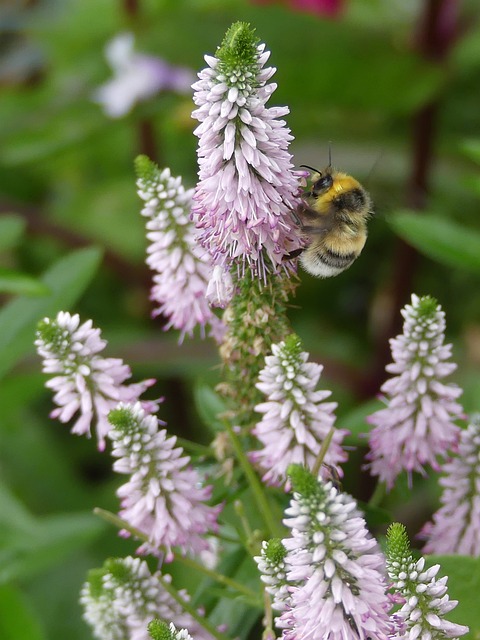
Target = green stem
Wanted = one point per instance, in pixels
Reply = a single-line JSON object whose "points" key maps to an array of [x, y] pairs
{"points": [[218, 577], [189, 608], [275, 528], [378, 494], [189, 562], [195, 447], [322, 452]]}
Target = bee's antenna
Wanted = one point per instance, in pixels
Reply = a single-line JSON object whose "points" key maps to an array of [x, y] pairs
{"points": [[329, 154], [311, 168]]}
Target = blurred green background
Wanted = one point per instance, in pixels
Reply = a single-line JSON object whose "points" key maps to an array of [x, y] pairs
{"points": [[392, 85]]}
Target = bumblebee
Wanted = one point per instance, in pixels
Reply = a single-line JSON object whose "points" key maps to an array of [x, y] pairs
{"points": [[333, 217]]}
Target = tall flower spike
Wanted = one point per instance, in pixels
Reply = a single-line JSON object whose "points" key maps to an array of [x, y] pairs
{"points": [[417, 425], [296, 420], [85, 384], [341, 591], [426, 601], [182, 268], [247, 188], [163, 498], [455, 528], [121, 598]]}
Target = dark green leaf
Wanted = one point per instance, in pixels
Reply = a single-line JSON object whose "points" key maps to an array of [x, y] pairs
{"points": [[209, 406], [67, 280], [440, 239], [18, 620], [11, 229]]}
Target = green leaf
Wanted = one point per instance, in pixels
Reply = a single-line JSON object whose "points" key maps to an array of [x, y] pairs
{"points": [[30, 545], [21, 284], [11, 229], [463, 585], [440, 239], [67, 280], [471, 148], [355, 421], [17, 619], [209, 406]]}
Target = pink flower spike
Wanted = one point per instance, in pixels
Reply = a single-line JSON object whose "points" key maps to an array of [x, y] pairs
{"points": [[296, 420], [182, 268], [334, 567], [164, 497], [455, 528], [418, 423], [122, 597], [247, 188], [85, 384]]}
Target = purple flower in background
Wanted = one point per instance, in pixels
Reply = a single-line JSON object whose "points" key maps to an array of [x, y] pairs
{"points": [[164, 497], [182, 268], [425, 599], [137, 77], [85, 384], [417, 424], [121, 598], [246, 188], [334, 566], [296, 420], [455, 528]]}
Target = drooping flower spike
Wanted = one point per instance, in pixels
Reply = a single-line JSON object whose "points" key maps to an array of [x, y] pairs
{"points": [[296, 419], [85, 384], [182, 267], [246, 188], [417, 426], [164, 497]]}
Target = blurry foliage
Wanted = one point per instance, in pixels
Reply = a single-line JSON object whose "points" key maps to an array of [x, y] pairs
{"points": [[67, 182]]}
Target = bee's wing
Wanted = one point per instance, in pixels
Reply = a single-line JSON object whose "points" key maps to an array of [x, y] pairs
{"points": [[312, 222]]}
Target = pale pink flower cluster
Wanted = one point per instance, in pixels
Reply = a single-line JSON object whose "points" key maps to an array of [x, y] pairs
{"points": [[182, 267], [418, 423], [296, 420], [123, 597], [85, 384], [247, 188], [455, 528], [334, 570], [164, 497], [137, 77], [426, 601]]}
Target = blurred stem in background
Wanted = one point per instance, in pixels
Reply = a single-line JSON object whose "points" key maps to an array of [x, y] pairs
{"points": [[147, 141], [437, 33]]}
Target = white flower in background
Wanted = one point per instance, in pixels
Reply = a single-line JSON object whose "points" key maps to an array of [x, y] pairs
{"points": [[136, 77]]}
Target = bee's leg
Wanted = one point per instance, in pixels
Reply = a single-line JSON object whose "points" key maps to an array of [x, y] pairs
{"points": [[293, 254]]}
